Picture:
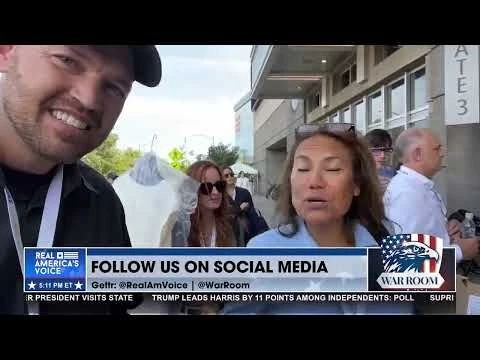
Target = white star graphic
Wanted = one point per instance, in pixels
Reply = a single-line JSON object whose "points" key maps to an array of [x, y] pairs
{"points": [[31, 285], [78, 285]]}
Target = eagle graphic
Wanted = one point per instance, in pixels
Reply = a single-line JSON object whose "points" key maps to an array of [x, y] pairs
{"points": [[409, 257]]}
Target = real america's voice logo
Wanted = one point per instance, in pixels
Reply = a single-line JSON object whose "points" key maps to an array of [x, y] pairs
{"points": [[411, 261], [54, 269]]}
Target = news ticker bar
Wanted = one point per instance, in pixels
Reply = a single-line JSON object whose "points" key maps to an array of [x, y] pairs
{"points": [[233, 270], [397, 297]]}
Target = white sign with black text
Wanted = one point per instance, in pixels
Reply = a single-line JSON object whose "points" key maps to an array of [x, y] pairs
{"points": [[461, 84]]}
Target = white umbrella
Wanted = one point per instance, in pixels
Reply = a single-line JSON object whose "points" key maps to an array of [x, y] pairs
{"points": [[247, 169]]}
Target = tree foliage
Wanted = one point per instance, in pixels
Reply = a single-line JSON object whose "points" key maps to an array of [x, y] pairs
{"points": [[107, 157], [223, 155], [201, 157], [178, 160]]}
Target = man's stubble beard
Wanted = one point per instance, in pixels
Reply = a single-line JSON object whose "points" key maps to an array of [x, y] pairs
{"points": [[21, 115]]}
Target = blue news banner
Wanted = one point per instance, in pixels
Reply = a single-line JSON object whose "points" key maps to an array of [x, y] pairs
{"points": [[238, 274]]}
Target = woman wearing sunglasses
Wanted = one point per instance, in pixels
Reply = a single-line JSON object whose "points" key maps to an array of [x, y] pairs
{"points": [[329, 198], [211, 223]]}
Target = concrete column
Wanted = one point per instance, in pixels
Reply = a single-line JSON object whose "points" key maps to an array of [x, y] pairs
{"points": [[362, 64], [324, 93], [259, 156], [436, 118], [459, 182], [371, 57]]}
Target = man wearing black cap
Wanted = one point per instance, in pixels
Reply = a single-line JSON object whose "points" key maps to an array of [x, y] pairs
{"points": [[58, 103]]}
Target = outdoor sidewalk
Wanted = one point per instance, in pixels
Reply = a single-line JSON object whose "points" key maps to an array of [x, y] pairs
{"points": [[266, 207]]}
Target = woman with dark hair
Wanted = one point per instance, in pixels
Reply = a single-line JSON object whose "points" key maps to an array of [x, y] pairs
{"points": [[241, 205], [329, 197], [330, 176], [380, 144]]}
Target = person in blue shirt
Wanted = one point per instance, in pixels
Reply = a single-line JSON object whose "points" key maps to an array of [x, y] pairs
{"points": [[330, 197]]}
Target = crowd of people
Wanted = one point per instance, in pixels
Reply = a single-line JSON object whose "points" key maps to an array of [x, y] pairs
{"points": [[60, 102]]}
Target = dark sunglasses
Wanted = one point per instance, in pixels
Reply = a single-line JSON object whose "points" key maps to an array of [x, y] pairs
{"points": [[311, 129], [207, 187], [227, 175]]}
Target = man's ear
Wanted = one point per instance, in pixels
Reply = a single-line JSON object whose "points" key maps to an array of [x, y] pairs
{"points": [[417, 153], [6, 54]]}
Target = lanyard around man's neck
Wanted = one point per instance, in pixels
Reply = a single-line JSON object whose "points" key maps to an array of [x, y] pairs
{"points": [[48, 224]]}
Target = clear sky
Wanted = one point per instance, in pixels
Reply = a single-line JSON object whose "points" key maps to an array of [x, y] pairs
{"points": [[199, 88]]}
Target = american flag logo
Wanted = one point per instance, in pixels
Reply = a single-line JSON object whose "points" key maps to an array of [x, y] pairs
{"points": [[419, 253], [67, 255]]}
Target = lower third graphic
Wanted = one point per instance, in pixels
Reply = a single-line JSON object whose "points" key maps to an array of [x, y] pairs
{"points": [[54, 269]]}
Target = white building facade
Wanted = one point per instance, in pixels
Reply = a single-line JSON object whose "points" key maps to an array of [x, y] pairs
{"points": [[392, 87]]}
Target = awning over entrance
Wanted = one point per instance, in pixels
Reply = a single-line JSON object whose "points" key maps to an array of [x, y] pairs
{"points": [[289, 71]]}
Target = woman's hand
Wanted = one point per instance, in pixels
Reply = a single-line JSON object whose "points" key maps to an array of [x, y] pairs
{"points": [[244, 206]]}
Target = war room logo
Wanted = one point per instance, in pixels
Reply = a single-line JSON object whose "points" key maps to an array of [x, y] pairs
{"points": [[411, 261]]}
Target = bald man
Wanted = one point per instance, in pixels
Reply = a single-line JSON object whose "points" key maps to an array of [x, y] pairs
{"points": [[411, 200]]}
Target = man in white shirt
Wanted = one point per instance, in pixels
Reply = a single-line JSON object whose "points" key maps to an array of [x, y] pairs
{"points": [[411, 200]]}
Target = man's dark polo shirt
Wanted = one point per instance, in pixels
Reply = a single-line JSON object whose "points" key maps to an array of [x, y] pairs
{"points": [[90, 215]]}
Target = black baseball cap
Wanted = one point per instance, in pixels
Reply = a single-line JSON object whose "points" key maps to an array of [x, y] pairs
{"points": [[147, 65]]}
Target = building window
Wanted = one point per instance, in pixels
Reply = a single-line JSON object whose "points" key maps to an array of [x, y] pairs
{"points": [[375, 108], [384, 51], [396, 99], [359, 113], [347, 116], [335, 118], [418, 93], [313, 100], [353, 73], [346, 77]]}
